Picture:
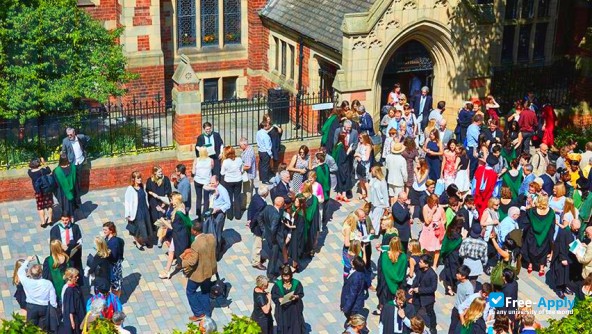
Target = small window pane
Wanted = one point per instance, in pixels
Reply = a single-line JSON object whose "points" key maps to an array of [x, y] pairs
{"points": [[543, 10], [539, 41], [209, 22], [277, 53], [527, 9], [284, 47], [508, 44], [229, 88], [186, 23], [232, 22], [524, 42], [211, 90], [292, 56], [511, 9]]}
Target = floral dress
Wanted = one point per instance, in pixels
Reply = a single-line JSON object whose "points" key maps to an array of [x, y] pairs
{"points": [[449, 173], [297, 178]]}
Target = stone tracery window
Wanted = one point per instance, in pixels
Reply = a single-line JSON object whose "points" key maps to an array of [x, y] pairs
{"points": [[186, 35], [232, 22], [209, 22]]}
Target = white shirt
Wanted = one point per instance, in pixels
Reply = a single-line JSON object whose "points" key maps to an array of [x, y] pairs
{"points": [[202, 170], [78, 155], [38, 291], [232, 170], [121, 330]]}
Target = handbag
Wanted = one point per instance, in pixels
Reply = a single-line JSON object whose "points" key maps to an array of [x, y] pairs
{"points": [[497, 190], [440, 187], [219, 289], [360, 170], [85, 324], [131, 227], [245, 176]]}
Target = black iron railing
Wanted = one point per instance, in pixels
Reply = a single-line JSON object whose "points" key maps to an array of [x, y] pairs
{"points": [[114, 129], [300, 116]]}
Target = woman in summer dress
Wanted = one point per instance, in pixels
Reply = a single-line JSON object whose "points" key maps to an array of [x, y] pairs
{"points": [[462, 175], [299, 166], [451, 162]]}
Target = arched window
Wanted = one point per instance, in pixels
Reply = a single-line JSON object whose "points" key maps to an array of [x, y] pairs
{"points": [[232, 22], [209, 22], [186, 23]]}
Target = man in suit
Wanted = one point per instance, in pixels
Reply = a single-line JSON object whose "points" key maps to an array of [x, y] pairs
{"points": [[272, 241], [213, 142], [402, 218], [549, 178], [423, 291], [351, 136], [422, 106], [283, 188], [221, 204], [445, 133], [71, 237], [365, 228], [199, 265], [74, 145], [493, 134], [253, 217]]}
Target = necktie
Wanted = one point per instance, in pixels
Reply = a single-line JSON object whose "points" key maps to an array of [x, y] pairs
{"points": [[67, 234]]}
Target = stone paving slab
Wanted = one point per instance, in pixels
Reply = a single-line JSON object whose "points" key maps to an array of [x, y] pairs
{"points": [[155, 305]]}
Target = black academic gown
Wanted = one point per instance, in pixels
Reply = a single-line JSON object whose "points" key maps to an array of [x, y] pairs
{"points": [[387, 317], [276, 142], [217, 142], [531, 252], [451, 263], [68, 206], [165, 189], [345, 179], [313, 227], [559, 272], [296, 245], [181, 236], [73, 303], [289, 317], [76, 260]]}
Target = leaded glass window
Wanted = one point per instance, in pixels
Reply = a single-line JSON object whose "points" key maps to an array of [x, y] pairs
{"points": [[508, 44], [524, 42], [211, 90], [232, 22], [209, 22], [186, 23], [540, 36]]}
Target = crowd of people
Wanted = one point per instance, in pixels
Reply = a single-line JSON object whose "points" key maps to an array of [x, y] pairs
{"points": [[489, 201]]}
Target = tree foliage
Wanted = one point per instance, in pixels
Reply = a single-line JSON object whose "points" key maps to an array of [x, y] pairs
{"points": [[53, 53], [580, 321], [18, 325]]}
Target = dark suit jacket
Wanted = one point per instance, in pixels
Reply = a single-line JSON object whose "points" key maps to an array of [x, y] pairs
{"points": [[548, 183], [489, 135], [510, 291], [201, 262], [353, 293], [253, 213], [270, 224], [463, 212], [281, 190], [401, 216], [426, 108], [353, 138], [427, 282], [69, 150], [201, 141]]}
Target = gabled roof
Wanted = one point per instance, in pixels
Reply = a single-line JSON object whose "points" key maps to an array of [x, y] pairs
{"points": [[319, 20]]}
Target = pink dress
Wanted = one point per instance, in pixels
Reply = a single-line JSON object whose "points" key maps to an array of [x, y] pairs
{"points": [[449, 173], [428, 239]]}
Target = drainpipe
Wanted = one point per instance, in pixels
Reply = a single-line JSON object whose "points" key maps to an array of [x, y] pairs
{"points": [[300, 68]]}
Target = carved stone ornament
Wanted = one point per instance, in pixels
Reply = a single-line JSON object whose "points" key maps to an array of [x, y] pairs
{"points": [[440, 3], [410, 4]]}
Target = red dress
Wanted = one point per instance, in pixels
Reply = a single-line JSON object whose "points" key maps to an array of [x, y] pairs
{"points": [[485, 180], [549, 117]]}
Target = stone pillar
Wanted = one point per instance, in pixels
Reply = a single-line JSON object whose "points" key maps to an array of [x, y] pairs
{"points": [[187, 104]]}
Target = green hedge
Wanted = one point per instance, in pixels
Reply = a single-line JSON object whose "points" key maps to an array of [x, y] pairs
{"points": [[579, 322]]}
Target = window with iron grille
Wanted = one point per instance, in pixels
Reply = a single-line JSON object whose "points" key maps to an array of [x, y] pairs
{"points": [[209, 22], [232, 22], [186, 23], [211, 89]]}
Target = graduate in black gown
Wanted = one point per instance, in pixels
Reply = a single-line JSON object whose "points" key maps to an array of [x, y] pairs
{"points": [[289, 316], [296, 243], [560, 262], [449, 254], [345, 180], [273, 236], [390, 309], [538, 236], [73, 307], [262, 306], [312, 219], [158, 188], [68, 189]]}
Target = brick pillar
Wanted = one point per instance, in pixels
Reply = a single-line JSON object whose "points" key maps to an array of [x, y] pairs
{"points": [[187, 104]]}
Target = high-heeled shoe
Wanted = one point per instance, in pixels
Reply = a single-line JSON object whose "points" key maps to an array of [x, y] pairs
{"points": [[164, 275], [541, 272], [529, 270]]}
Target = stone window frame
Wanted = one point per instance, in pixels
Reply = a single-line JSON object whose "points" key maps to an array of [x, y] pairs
{"points": [[221, 45], [529, 25], [283, 65], [221, 84]]}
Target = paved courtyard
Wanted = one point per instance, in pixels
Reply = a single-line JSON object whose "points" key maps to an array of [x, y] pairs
{"points": [[159, 306]]}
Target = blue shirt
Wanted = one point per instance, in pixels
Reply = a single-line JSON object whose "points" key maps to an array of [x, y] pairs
{"points": [[184, 189], [524, 186], [473, 135], [222, 200], [393, 123], [248, 158], [264, 141]]}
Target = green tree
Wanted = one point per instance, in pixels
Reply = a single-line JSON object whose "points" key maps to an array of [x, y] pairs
{"points": [[53, 53]]}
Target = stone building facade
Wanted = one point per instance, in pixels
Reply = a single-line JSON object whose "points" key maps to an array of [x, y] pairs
{"points": [[359, 48]]}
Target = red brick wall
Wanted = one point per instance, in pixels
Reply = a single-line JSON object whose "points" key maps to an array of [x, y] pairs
{"points": [[305, 60], [186, 128], [144, 43], [142, 14], [258, 46], [148, 85], [20, 188], [108, 10]]}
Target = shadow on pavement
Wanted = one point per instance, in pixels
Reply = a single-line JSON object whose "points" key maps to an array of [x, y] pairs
{"points": [[129, 285]]}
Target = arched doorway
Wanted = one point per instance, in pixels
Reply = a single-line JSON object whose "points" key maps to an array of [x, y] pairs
{"points": [[411, 66]]}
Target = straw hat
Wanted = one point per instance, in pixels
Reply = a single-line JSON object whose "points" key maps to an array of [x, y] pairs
{"points": [[397, 148]]}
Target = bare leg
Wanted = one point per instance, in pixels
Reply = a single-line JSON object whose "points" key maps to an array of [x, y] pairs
{"points": [[166, 273], [42, 217], [436, 258], [49, 215]]}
